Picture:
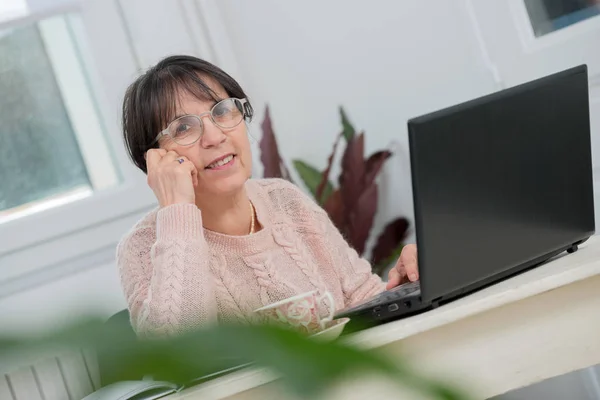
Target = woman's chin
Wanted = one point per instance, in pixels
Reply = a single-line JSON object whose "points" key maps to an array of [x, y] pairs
{"points": [[224, 185]]}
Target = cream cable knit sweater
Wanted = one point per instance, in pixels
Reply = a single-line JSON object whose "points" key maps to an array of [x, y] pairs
{"points": [[177, 275]]}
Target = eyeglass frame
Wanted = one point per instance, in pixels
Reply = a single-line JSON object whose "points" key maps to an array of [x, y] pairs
{"points": [[165, 132]]}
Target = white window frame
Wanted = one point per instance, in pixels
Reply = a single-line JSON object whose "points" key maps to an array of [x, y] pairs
{"points": [[84, 233], [53, 236], [531, 43], [78, 100], [88, 127]]}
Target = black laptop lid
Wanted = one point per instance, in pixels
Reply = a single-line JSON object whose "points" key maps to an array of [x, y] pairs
{"points": [[501, 181]]}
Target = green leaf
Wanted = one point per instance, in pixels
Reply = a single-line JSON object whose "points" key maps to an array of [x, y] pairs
{"points": [[311, 178], [295, 359], [347, 127], [305, 366]]}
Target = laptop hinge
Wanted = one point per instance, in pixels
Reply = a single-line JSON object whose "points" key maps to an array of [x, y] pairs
{"points": [[435, 303]]}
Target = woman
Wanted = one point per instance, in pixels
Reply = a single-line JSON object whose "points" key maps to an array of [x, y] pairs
{"points": [[220, 244]]}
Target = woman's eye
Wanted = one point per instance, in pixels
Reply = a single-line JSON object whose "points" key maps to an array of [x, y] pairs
{"points": [[220, 112], [182, 128]]}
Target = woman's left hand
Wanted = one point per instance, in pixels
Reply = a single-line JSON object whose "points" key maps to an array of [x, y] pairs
{"points": [[406, 267]]}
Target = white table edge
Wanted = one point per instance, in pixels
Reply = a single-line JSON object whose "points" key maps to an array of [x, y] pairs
{"points": [[552, 275], [527, 284]]}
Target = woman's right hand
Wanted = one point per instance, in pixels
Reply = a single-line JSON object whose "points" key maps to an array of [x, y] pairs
{"points": [[172, 182]]}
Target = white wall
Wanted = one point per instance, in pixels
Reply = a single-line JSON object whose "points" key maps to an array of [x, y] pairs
{"points": [[53, 304], [385, 62]]}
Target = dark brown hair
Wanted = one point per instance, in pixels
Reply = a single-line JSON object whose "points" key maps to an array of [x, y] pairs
{"points": [[150, 102]]}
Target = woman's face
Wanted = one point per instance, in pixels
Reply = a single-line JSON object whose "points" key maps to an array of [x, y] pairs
{"points": [[215, 146]]}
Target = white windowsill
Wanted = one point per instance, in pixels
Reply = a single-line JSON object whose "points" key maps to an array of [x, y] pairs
{"points": [[48, 203]]}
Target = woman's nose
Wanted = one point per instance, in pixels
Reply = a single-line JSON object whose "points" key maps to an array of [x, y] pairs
{"points": [[212, 135]]}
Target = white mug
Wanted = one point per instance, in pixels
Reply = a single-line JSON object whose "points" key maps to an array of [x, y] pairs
{"points": [[301, 312]]}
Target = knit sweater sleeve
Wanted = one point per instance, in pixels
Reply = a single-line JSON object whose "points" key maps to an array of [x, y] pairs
{"points": [[357, 280], [166, 277]]}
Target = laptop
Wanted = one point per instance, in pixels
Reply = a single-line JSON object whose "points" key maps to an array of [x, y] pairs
{"points": [[501, 184]]}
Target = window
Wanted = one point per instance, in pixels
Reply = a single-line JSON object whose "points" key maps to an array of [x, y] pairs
{"points": [[547, 16], [53, 148]]}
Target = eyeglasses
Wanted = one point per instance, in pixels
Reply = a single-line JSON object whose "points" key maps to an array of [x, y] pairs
{"points": [[188, 129]]}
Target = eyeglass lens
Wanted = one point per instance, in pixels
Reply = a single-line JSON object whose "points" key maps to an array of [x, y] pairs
{"points": [[225, 114]]}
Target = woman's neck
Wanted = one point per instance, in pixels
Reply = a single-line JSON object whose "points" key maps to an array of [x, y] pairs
{"points": [[229, 214]]}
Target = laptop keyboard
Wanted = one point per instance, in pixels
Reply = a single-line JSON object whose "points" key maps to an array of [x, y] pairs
{"points": [[400, 291], [390, 295]]}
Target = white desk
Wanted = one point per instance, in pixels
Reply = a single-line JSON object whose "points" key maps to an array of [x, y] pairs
{"points": [[540, 324]]}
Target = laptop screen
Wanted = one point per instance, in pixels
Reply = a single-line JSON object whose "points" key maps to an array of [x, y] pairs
{"points": [[501, 181]]}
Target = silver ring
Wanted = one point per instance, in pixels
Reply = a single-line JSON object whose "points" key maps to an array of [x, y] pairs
{"points": [[180, 160]]}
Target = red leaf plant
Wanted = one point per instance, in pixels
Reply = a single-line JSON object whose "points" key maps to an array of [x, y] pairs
{"points": [[352, 206]]}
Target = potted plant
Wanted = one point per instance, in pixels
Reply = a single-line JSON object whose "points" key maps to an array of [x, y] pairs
{"points": [[352, 203]]}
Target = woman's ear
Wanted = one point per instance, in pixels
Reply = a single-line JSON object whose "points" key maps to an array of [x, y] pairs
{"points": [[247, 111]]}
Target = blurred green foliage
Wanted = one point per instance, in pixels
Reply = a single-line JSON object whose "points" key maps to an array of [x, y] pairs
{"points": [[304, 365]]}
